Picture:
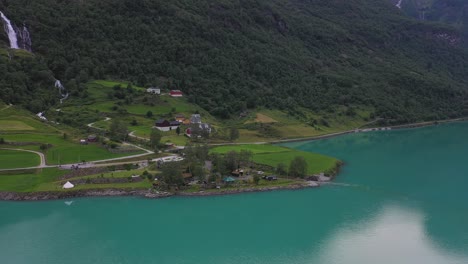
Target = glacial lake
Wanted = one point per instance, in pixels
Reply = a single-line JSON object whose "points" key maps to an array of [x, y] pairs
{"points": [[401, 198]]}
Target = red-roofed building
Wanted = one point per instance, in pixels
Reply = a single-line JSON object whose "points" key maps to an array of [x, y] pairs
{"points": [[175, 93]]}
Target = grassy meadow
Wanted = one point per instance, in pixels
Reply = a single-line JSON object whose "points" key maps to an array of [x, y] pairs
{"points": [[29, 180], [48, 179], [272, 155], [10, 159]]}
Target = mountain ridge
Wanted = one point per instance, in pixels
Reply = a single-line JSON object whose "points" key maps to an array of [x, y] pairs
{"points": [[229, 57]]}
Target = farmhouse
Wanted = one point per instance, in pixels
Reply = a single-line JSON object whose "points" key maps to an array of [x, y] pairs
{"points": [[198, 129], [153, 90], [180, 118], [164, 125], [175, 93], [174, 124], [195, 119]]}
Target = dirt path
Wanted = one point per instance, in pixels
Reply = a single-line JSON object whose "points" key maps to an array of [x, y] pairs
{"points": [[132, 134], [92, 124]]}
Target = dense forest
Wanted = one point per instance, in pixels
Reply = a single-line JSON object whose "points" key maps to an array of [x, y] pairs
{"points": [[228, 56]]}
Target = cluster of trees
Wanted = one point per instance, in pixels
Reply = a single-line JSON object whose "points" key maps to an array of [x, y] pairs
{"points": [[236, 55]]}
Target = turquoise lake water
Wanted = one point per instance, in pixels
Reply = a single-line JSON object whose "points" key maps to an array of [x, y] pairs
{"points": [[402, 199]]}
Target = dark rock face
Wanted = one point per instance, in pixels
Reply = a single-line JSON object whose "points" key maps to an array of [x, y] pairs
{"points": [[24, 38]]}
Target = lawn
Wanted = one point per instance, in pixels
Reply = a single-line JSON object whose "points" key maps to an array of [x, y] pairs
{"points": [[48, 180], [57, 185], [316, 163], [12, 125], [65, 151], [254, 148], [272, 155], [14, 119], [28, 181], [10, 159]]}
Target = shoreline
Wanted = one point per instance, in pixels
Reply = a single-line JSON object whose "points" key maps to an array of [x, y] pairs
{"points": [[147, 194], [61, 195], [371, 129]]}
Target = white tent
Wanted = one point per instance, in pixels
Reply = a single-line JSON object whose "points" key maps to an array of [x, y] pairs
{"points": [[68, 185]]}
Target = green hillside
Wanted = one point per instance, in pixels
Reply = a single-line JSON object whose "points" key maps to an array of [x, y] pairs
{"points": [[229, 56]]}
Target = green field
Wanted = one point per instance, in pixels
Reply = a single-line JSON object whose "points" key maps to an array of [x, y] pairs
{"points": [[255, 149], [28, 181], [14, 119], [65, 151], [42, 180], [12, 125], [10, 159], [57, 185], [273, 155]]}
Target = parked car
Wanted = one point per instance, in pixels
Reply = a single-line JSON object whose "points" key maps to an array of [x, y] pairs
{"points": [[271, 178]]}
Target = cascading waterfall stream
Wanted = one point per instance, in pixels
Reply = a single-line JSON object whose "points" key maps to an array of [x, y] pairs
{"points": [[19, 37], [10, 30], [399, 3], [62, 91]]}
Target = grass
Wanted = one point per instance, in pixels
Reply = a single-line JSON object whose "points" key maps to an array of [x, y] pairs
{"points": [[316, 163], [28, 181], [11, 159], [42, 180], [255, 149], [11, 125], [272, 155], [14, 119], [65, 151], [261, 118], [57, 185]]}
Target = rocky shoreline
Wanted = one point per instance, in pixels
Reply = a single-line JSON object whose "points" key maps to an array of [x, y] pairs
{"points": [[59, 195]]}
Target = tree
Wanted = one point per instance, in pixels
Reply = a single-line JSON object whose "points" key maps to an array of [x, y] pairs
{"points": [[219, 164], [199, 173], [298, 167], [149, 114], [245, 157], [256, 179], [178, 131], [155, 138], [118, 130], [281, 169], [134, 122], [231, 160], [233, 134], [171, 174]]}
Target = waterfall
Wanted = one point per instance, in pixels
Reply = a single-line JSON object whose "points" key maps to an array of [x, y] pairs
{"points": [[19, 36], [10, 30], [399, 3], [62, 91]]}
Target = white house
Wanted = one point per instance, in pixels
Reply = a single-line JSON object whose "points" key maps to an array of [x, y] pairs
{"points": [[153, 90]]}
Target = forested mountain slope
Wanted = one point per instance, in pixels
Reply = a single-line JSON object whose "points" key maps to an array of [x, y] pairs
{"points": [[231, 55]]}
